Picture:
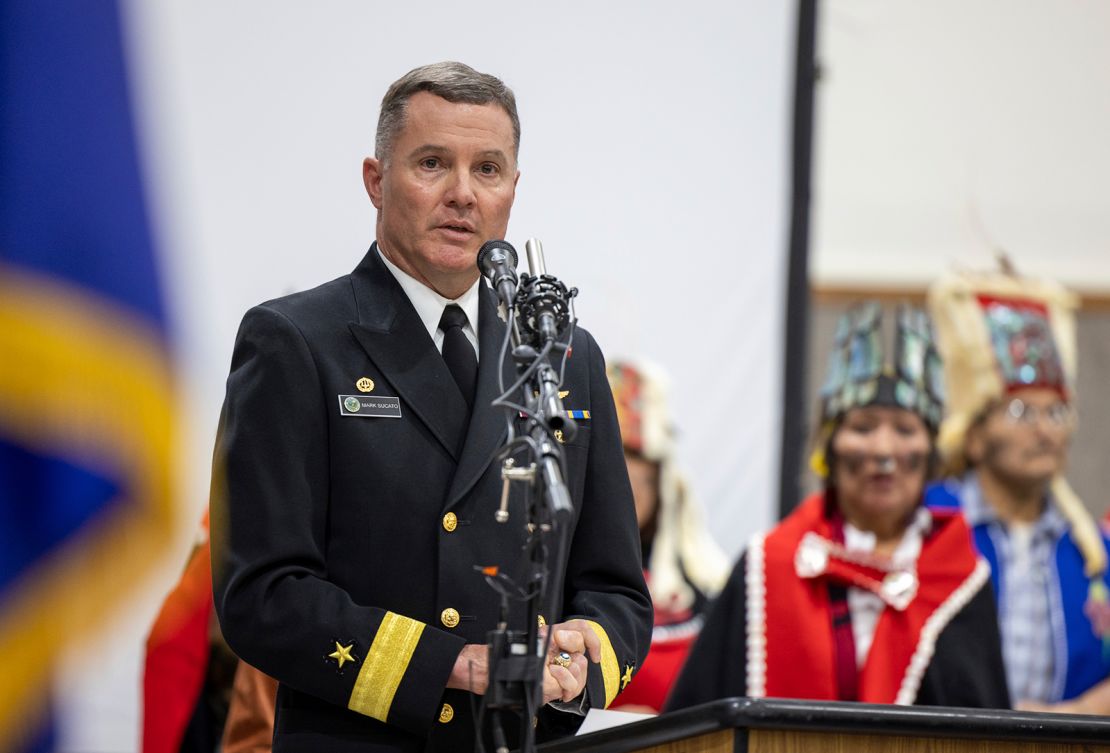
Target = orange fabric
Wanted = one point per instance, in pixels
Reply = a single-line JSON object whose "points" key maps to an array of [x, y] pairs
{"points": [[250, 718], [801, 659], [177, 654]]}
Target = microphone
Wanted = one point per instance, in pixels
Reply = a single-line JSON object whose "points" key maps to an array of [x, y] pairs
{"points": [[546, 312], [497, 262], [534, 249]]}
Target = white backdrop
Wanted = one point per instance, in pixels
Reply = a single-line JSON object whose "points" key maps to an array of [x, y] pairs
{"points": [[948, 129], [654, 158]]}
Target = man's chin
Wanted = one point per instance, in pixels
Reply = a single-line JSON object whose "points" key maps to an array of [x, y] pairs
{"points": [[457, 257], [1030, 477]]}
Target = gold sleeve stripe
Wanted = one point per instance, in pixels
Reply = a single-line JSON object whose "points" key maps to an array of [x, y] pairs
{"points": [[610, 670], [384, 666]]}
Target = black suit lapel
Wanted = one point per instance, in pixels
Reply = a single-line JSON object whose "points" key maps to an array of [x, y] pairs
{"points": [[391, 333], [487, 424]]}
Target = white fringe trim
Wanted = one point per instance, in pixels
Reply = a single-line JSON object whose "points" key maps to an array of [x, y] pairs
{"points": [[756, 614], [938, 620]]}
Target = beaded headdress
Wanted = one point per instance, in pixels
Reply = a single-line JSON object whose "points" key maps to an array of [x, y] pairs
{"points": [[640, 395], [859, 372]]}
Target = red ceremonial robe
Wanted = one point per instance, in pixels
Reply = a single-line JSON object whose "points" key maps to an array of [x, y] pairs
{"points": [[770, 633]]}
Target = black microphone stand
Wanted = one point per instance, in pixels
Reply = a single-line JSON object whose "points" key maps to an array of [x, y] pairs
{"points": [[540, 328]]}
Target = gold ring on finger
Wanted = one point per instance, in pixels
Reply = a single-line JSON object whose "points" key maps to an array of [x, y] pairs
{"points": [[562, 659]]}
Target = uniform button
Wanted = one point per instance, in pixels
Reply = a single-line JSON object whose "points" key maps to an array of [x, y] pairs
{"points": [[449, 617], [450, 522], [446, 713]]}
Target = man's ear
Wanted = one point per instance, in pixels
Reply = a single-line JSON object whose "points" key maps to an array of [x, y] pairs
{"points": [[372, 174]]}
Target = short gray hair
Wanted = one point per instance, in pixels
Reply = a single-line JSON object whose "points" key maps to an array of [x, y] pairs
{"points": [[455, 82]]}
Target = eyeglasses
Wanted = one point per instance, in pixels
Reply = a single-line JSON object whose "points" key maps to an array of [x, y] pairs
{"points": [[1058, 415]]}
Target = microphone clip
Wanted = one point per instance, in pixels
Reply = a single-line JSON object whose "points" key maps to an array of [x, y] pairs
{"points": [[543, 305]]}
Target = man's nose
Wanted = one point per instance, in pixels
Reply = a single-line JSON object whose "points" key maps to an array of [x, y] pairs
{"points": [[460, 190]]}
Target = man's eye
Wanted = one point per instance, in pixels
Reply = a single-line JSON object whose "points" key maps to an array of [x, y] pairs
{"points": [[488, 168], [430, 163]]}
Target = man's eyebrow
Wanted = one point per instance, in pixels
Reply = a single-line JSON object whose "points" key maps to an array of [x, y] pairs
{"points": [[484, 154], [428, 148], [494, 153]]}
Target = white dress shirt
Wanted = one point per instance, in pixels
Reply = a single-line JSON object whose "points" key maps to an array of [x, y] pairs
{"points": [[429, 304]]}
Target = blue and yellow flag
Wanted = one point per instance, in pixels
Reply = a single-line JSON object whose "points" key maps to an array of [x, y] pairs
{"points": [[86, 388]]}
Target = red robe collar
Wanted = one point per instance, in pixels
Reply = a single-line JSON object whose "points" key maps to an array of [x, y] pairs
{"points": [[791, 651]]}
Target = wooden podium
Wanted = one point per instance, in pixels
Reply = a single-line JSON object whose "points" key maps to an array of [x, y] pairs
{"points": [[748, 725]]}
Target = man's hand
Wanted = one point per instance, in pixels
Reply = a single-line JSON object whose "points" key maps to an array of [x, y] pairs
{"points": [[578, 640], [574, 638], [471, 670]]}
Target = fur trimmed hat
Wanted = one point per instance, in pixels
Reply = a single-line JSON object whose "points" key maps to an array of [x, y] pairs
{"points": [[682, 543], [998, 332]]}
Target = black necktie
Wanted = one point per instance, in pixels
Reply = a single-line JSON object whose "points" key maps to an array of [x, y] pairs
{"points": [[458, 352]]}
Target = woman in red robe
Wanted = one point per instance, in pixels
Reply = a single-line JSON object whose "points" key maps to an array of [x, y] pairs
{"points": [[861, 593]]}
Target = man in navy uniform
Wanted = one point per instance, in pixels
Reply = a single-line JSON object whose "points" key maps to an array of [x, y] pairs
{"points": [[353, 494]]}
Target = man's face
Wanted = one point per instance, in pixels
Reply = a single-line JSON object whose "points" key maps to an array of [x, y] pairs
{"points": [[1023, 440], [445, 189]]}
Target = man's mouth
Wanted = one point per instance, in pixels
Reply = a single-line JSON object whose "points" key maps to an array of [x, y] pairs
{"points": [[457, 227]]}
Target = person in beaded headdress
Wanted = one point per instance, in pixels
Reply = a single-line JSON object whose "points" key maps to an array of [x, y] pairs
{"points": [[861, 593], [683, 566], [1009, 352]]}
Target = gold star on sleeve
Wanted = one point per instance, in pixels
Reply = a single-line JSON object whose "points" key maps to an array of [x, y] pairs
{"points": [[342, 654]]}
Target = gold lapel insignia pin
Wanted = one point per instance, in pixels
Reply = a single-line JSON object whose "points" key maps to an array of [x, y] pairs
{"points": [[366, 384]]}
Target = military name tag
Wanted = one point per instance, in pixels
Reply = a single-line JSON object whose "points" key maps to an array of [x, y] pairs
{"points": [[370, 407]]}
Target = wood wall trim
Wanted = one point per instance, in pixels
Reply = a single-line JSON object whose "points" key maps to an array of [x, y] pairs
{"points": [[824, 294]]}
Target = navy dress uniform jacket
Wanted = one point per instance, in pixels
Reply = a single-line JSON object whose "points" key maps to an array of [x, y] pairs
{"points": [[338, 535]]}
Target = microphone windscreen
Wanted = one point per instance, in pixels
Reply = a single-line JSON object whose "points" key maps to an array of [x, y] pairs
{"points": [[486, 254]]}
